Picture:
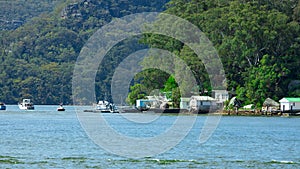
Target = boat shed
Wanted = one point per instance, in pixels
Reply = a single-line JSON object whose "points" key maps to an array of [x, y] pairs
{"points": [[143, 104], [289, 104], [202, 103]]}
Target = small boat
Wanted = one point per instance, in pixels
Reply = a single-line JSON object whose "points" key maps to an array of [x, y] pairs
{"points": [[61, 108], [2, 106], [106, 107], [103, 106], [26, 105]]}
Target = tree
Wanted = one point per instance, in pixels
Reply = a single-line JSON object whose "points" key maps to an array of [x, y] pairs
{"points": [[263, 82]]}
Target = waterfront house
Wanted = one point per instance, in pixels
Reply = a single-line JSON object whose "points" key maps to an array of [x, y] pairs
{"points": [[289, 104], [185, 103], [143, 104], [160, 101], [221, 96], [154, 101], [202, 103]]}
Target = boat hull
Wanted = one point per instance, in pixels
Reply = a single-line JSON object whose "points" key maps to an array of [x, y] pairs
{"points": [[61, 109], [2, 107], [105, 107], [26, 107]]}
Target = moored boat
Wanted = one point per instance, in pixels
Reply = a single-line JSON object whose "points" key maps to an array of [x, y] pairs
{"points": [[2, 106], [61, 108], [26, 104], [106, 107]]}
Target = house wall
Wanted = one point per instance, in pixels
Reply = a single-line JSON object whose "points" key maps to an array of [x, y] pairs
{"points": [[184, 105], [296, 106], [285, 106], [203, 103], [220, 95], [143, 103]]}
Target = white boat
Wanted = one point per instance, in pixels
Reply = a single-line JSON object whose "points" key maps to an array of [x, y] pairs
{"points": [[106, 107], [26, 105], [2, 106], [60, 108], [103, 106]]}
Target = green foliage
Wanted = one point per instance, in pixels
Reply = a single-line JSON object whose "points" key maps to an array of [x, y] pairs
{"points": [[138, 91], [145, 83], [170, 84], [14, 14], [258, 42], [176, 95], [264, 81], [38, 55]]}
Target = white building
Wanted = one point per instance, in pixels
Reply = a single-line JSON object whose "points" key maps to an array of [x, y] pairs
{"points": [[143, 104], [289, 104], [185, 103], [221, 96], [202, 103]]}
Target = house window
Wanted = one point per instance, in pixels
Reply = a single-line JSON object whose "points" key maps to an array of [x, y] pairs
{"points": [[294, 104]]}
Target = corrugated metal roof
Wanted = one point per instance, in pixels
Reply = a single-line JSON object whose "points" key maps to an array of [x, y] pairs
{"points": [[203, 98]]}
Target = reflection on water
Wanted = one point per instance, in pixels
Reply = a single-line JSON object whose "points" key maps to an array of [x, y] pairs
{"points": [[45, 138]]}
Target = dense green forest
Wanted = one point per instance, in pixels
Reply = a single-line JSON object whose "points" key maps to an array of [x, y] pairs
{"points": [[38, 57], [15, 13], [258, 42]]}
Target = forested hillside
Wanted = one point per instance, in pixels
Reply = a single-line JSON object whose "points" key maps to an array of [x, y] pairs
{"points": [[37, 58], [258, 42], [15, 13]]}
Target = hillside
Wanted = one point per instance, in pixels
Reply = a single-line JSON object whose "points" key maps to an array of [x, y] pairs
{"points": [[37, 58], [258, 42], [15, 13]]}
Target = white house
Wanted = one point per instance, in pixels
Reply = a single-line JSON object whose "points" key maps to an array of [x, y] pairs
{"points": [[185, 103], [202, 103], [221, 96], [289, 104]]}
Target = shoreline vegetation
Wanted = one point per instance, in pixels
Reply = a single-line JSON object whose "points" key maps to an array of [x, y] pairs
{"points": [[219, 112]]}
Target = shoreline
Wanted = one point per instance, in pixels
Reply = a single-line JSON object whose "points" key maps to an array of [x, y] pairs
{"points": [[253, 113]]}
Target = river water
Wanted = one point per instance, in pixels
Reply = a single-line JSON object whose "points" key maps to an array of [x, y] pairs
{"points": [[45, 138]]}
